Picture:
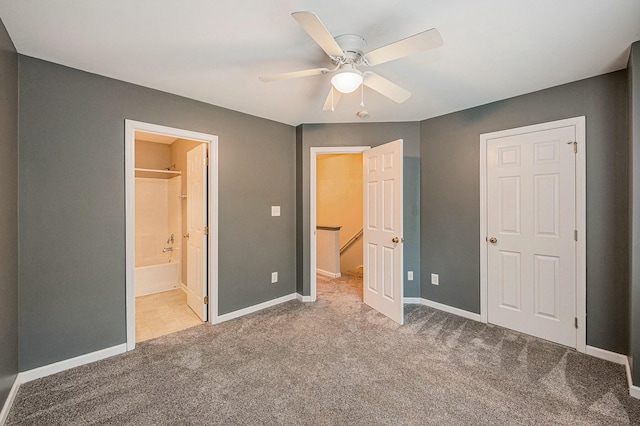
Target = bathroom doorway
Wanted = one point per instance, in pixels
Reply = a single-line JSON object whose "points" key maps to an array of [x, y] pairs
{"points": [[171, 229], [162, 264]]}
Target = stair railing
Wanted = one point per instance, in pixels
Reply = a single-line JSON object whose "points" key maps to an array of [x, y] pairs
{"points": [[351, 241]]}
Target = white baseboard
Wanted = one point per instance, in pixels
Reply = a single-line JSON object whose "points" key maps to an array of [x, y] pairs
{"points": [[634, 391], [412, 301], [606, 355], [255, 308], [303, 298], [328, 274], [450, 309], [4, 414], [47, 370]]}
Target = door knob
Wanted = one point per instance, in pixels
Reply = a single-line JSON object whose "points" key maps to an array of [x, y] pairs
{"points": [[397, 240], [186, 235], [493, 240]]}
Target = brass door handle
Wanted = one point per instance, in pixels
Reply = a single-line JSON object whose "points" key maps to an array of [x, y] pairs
{"points": [[186, 235], [397, 240], [493, 240]]}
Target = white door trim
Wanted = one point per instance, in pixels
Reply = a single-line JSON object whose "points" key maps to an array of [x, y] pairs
{"points": [[581, 190], [131, 127], [312, 201]]}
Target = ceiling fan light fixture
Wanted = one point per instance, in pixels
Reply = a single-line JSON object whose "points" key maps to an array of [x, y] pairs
{"points": [[347, 80]]}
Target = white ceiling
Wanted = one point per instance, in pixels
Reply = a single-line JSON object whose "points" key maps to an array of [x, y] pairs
{"points": [[214, 51]]}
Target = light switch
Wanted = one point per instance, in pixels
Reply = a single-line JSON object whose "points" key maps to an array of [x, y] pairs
{"points": [[275, 210], [274, 277], [410, 275], [435, 279]]}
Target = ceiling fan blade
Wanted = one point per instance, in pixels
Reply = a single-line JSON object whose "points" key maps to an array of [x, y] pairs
{"points": [[318, 32], [416, 43], [295, 74], [386, 88], [331, 103]]}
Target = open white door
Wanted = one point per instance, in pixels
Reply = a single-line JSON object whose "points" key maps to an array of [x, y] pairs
{"points": [[383, 187], [197, 230]]}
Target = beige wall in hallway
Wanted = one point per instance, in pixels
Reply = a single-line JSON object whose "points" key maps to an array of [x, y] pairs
{"points": [[178, 157], [339, 200]]}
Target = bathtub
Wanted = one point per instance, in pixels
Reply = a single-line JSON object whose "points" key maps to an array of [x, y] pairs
{"points": [[157, 277]]}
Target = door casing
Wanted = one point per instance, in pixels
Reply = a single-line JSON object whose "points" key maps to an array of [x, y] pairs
{"points": [[581, 288], [131, 127]]}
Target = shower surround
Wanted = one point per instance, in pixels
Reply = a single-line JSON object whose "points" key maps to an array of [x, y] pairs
{"points": [[158, 219]]}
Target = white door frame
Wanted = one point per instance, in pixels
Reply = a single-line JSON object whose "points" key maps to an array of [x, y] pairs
{"points": [[312, 201], [581, 192], [129, 163]]}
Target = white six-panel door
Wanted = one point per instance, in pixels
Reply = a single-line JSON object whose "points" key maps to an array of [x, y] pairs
{"points": [[382, 230], [531, 254], [196, 224]]}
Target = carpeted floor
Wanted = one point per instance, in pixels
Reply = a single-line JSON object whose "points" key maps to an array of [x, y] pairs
{"points": [[336, 362]]}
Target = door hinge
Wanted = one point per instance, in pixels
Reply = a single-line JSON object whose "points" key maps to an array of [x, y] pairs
{"points": [[206, 230], [206, 161], [575, 146], [206, 300], [576, 322], [575, 234]]}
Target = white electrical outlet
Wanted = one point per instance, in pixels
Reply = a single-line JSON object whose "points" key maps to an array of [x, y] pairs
{"points": [[435, 280], [410, 275], [275, 210], [274, 277]]}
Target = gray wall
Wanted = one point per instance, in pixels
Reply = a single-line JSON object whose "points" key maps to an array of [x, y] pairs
{"points": [[634, 207], [8, 214], [359, 134], [72, 248], [450, 222]]}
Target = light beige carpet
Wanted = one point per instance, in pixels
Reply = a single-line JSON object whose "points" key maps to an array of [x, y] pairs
{"points": [[336, 362]]}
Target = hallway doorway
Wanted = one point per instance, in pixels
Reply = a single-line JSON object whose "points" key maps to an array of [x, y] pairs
{"points": [[382, 225]]}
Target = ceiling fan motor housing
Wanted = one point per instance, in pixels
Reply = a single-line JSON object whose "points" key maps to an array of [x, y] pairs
{"points": [[353, 46]]}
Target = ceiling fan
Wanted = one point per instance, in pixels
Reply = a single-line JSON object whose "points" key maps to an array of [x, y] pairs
{"points": [[348, 55]]}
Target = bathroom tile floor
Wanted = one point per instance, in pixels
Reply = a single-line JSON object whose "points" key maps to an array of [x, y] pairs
{"points": [[163, 313]]}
